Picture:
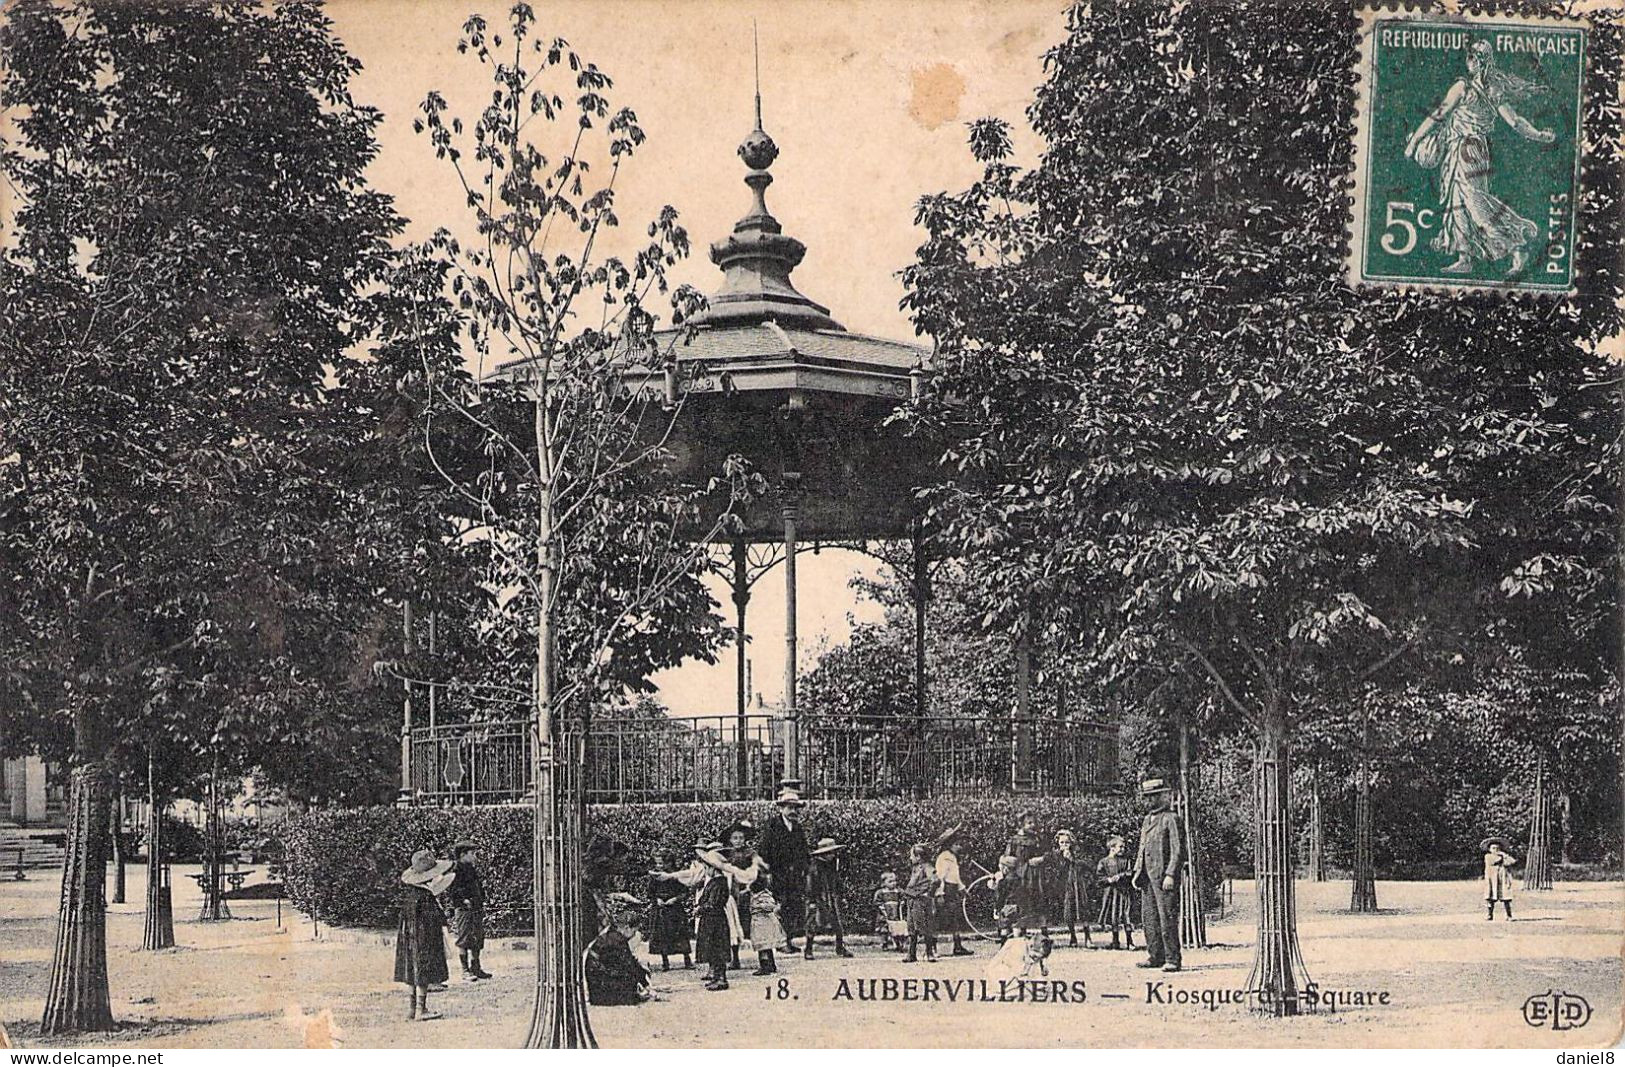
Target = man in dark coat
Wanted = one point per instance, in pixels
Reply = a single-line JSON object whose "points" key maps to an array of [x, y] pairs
{"points": [[1157, 870], [783, 844]]}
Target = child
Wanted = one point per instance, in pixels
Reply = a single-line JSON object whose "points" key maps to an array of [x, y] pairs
{"points": [[420, 948], [824, 890], [889, 922], [764, 920], [712, 941], [1069, 885], [710, 872], [921, 893], [668, 917], [1497, 876], [740, 854], [950, 890], [1115, 872], [614, 975], [1006, 894], [467, 899]]}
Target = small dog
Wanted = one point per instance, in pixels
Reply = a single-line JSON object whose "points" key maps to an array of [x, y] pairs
{"points": [[1019, 957], [1038, 950]]}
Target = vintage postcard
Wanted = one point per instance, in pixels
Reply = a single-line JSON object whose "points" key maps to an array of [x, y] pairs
{"points": [[843, 524]]}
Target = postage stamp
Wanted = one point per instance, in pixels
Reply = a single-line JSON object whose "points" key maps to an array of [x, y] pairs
{"points": [[1467, 152]]}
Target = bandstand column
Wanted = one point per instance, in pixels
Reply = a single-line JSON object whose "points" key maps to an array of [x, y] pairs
{"points": [[922, 592], [404, 796], [741, 597], [792, 746]]}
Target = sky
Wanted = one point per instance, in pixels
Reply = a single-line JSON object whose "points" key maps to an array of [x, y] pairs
{"points": [[867, 102]]}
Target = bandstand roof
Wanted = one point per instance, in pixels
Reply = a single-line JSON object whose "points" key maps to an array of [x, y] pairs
{"points": [[769, 374]]}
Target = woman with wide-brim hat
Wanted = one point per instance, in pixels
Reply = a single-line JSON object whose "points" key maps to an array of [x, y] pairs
{"points": [[1497, 876], [420, 947]]}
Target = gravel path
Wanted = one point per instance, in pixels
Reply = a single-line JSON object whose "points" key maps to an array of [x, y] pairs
{"points": [[1451, 979]]}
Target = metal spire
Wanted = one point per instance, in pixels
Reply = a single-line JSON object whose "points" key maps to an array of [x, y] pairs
{"points": [[756, 53]]}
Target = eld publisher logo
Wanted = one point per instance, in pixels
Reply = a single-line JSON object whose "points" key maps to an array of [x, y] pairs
{"points": [[1557, 1010]]}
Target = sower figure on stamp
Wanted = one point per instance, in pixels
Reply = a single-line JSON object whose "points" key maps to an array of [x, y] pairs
{"points": [[784, 846], [1497, 875], [1475, 225], [466, 898], [1157, 871], [824, 887]]}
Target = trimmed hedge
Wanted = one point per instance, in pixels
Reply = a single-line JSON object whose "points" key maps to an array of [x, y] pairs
{"points": [[342, 865]]}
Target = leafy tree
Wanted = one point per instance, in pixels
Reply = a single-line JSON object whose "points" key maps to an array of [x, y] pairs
{"points": [[590, 544], [192, 239], [1191, 445]]}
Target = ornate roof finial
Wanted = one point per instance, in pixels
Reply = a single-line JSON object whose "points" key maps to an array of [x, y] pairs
{"points": [[758, 150], [757, 258]]}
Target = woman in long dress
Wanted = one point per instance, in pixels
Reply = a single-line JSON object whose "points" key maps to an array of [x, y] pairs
{"points": [[420, 946], [1475, 225]]}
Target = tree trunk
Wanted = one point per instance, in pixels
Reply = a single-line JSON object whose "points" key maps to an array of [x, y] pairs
{"points": [[77, 1000], [116, 829], [1278, 977], [1363, 895], [1537, 870], [1192, 913], [1565, 831], [1317, 830], [213, 911], [559, 1016], [158, 931]]}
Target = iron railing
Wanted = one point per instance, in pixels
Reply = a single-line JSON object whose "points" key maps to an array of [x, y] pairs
{"points": [[648, 760]]}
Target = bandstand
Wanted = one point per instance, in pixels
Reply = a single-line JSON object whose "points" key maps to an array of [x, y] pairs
{"points": [[770, 375]]}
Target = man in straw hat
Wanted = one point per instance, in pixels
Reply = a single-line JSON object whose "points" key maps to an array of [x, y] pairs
{"points": [[783, 845], [1157, 871], [420, 947], [467, 899], [1497, 876], [824, 890]]}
